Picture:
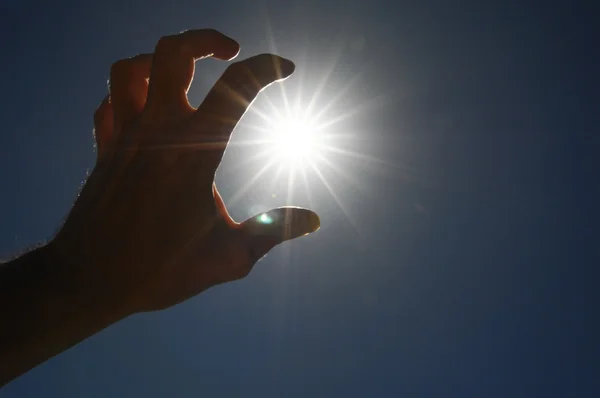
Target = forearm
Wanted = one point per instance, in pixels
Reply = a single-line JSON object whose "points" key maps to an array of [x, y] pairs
{"points": [[43, 311]]}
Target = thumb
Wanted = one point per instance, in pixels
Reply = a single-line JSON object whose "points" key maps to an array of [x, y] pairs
{"points": [[266, 230]]}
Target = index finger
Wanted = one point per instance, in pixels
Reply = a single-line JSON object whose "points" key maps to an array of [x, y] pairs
{"points": [[173, 64], [230, 98]]}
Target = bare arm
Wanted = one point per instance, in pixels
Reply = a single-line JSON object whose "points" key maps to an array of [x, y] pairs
{"points": [[44, 312]]}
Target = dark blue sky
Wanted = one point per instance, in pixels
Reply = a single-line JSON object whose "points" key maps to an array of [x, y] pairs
{"points": [[468, 269]]}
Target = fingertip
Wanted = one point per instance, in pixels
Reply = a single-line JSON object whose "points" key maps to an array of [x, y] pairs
{"points": [[229, 52], [235, 50], [270, 68], [287, 66], [302, 222], [230, 48], [284, 68], [314, 221], [208, 43]]}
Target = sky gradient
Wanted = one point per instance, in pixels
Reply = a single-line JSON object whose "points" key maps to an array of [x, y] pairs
{"points": [[458, 254]]}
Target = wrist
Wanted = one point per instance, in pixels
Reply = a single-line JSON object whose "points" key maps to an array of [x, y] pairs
{"points": [[79, 279], [45, 310]]}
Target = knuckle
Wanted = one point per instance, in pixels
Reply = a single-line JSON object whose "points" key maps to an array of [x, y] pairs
{"points": [[211, 32], [134, 67], [123, 67]]}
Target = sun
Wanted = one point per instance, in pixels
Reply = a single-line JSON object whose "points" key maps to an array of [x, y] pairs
{"points": [[295, 139]]}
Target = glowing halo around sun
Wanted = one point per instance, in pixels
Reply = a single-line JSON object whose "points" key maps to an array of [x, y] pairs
{"points": [[302, 144], [289, 143], [298, 153], [293, 151]]}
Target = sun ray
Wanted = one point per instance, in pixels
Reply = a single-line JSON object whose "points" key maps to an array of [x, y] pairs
{"points": [[306, 186], [259, 129], [363, 156], [273, 49], [336, 198], [277, 174], [245, 143], [290, 187], [407, 173], [340, 172], [256, 110], [340, 94], [344, 91], [238, 194], [247, 161], [368, 105], [326, 76], [300, 77]]}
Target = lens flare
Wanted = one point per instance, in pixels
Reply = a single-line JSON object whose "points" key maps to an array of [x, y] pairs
{"points": [[265, 219]]}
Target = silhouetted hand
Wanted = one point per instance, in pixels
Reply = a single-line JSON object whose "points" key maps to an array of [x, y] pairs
{"points": [[149, 228]]}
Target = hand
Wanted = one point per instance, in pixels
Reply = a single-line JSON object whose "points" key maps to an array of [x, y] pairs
{"points": [[149, 228]]}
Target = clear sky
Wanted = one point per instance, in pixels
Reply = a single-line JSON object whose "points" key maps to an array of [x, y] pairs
{"points": [[458, 254]]}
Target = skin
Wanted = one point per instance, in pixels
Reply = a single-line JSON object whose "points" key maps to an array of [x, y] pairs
{"points": [[149, 229]]}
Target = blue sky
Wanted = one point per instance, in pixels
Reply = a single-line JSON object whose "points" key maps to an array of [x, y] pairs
{"points": [[458, 252]]}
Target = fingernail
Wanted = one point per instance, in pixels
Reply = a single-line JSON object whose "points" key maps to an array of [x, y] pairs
{"points": [[301, 222]]}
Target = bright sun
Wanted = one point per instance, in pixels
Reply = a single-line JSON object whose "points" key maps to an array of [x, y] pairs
{"points": [[295, 140]]}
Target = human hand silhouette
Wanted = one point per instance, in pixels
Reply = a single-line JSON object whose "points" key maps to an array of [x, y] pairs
{"points": [[149, 229]]}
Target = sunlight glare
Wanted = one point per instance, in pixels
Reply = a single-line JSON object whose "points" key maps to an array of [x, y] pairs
{"points": [[294, 139]]}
